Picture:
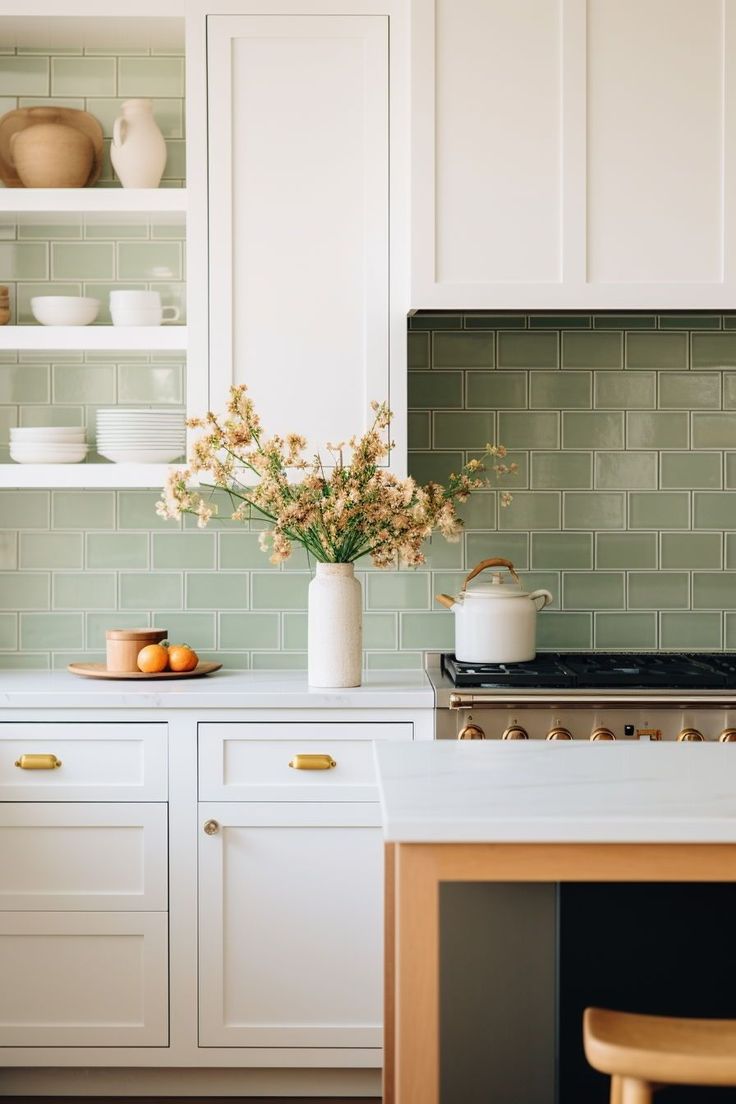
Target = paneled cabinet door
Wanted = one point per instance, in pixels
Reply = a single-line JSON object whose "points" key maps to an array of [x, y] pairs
{"points": [[573, 154], [290, 925], [299, 201]]}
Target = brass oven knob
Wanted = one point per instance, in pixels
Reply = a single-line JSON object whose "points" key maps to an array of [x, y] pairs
{"points": [[558, 732], [471, 731], [602, 733], [690, 736], [728, 736], [515, 732]]}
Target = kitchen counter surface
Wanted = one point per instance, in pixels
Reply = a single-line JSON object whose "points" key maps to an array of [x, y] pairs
{"points": [[222, 690], [538, 792]]}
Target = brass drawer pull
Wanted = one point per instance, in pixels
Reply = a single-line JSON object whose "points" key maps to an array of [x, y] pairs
{"points": [[38, 762], [312, 762]]}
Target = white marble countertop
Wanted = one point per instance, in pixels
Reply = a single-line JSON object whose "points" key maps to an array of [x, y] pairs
{"points": [[221, 690], [489, 792]]}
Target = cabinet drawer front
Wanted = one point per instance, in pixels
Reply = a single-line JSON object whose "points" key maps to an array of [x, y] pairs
{"points": [[251, 762], [113, 762], [60, 856], [83, 979]]}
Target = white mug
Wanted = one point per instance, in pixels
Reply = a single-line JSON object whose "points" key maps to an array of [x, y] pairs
{"points": [[140, 308]]}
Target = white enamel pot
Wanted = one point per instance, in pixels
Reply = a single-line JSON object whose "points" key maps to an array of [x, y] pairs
{"points": [[496, 622]]}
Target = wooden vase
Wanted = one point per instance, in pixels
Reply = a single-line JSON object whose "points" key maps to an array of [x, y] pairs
{"points": [[52, 155]]}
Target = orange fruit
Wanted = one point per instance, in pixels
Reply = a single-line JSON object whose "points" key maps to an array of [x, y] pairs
{"points": [[182, 657], [153, 658]]}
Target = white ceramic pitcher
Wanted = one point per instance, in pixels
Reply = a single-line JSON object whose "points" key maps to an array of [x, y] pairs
{"points": [[138, 151]]}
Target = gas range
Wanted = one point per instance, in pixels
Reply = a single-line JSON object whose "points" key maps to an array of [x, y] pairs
{"points": [[588, 695]]}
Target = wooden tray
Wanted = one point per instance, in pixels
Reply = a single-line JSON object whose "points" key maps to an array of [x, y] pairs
{"points": [[100, 671]]}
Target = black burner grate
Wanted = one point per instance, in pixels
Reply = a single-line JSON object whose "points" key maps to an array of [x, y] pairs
{"points": [[600, 671]]}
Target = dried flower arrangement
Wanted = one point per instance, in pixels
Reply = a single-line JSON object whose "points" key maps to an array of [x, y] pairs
{"points": [[340, 513]]}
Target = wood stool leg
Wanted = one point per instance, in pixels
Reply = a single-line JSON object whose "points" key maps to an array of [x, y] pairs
{"points": [[615, 1090], [634, 1091]]}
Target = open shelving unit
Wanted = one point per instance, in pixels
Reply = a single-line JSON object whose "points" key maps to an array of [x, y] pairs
{"points": [[88, 338], [87, 201]]}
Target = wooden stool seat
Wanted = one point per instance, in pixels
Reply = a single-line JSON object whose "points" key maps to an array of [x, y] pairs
{"points": [[665, 1050]]}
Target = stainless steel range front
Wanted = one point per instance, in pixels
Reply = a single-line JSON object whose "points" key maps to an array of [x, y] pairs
{"points": [[588, 696]]}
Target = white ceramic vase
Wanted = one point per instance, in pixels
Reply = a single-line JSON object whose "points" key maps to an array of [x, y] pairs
{"points": [[138, 151], [335, 626]]}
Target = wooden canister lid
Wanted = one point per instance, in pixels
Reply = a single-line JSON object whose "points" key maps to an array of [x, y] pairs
{"points": [[151, 636]]}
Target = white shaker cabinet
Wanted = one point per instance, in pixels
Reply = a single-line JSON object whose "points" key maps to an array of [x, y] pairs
{"points": [[308, 296], [572, 154]]}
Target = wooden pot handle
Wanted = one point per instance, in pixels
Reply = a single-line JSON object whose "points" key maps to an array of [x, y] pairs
{"points": [[494, 562]]}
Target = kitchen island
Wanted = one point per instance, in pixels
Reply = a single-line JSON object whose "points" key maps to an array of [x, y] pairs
{"points": [[530, 813]]}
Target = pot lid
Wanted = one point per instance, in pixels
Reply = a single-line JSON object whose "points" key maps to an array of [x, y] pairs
{"points": [[497, 586]]}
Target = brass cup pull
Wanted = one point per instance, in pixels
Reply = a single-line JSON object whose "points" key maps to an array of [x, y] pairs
{"points": [[211, 827], [38, 762], [312, 762]]}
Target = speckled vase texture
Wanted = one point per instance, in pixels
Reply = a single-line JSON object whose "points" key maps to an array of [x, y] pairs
{"points": [[335, 635]]}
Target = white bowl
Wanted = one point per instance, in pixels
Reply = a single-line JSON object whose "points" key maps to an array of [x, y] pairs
{"points": [[141, 455], [46, 456], [36, 435], [64, 310]]}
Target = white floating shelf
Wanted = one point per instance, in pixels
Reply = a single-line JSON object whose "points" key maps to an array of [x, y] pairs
{"points": [[83, 338], [84, 201], [84, 475]]}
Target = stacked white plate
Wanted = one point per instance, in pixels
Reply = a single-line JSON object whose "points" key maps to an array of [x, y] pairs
{"points": [[48, 444], [128, 436]]}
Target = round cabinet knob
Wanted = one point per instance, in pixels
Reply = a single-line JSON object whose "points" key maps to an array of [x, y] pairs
{"points": [[515, 732], [471, 731], [728, 736], [559, 733], [690, 736], [602, 733], [211, 827]]}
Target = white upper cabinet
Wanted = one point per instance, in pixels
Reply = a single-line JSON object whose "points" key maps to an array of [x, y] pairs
{"points": [[302, 307], [573, 153]]}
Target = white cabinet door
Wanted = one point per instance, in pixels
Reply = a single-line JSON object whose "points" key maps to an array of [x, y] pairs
{"points": [[83, 979], [300, 196], [290, 925], [574, 154]]}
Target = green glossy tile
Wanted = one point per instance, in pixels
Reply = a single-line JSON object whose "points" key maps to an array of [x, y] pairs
{"points": [[24, 76], [45, 231], [626, 630], [180, 549], [691, 550], [9, 550], [150, 76], [626, 550], [428, 630], [686, 391], [714, 590], [659, 510], [149, 261], [665, 590], [25, 383], [447, 582], [232, 661], [532, 510], [51, 415], [594, 510], [462, 350], [48, 631], [85, 76], [8, 631], [279, 661], [730, 559], [94, 231], [24, 261], [222, 519], [626, 471], [84, 591], [98, 623], [564, 631], [657, 430], [83, 383], [663, 351], [51, 550], [82, 260], [279, 591], [730, 632], [714, 350], [497, 390], [148, 592], [479, 512], [418, 350], [625, 322], [168, 113], [198, 630], [562, 550], [544, 580], [729, 390], [249, 630], [294, 631], [510, 546], [142, 383], [714, 430], [688, 470], [559, 321], [593, 590], [398, 590], [690, 631], [210, 590], [463, 430], [24, 509], [714, 510], [430, 390], [595, 349], [528, 350], [419, 429], [117, 550], [137, 510], [83, 510], [26, 292], [561, 391], [535, 430], [394, 661], [175, 168], [730, 469], [24, 661], [239, 551], [594, 429], [495, 321], [690, 321], [380, 630], [19, 590]]}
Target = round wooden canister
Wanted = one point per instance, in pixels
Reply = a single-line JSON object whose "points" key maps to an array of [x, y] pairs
{"points": [[123, 646]]}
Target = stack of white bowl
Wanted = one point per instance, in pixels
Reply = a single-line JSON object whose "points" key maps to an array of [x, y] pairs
{"points": [[128, 436], [48, 444]]}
